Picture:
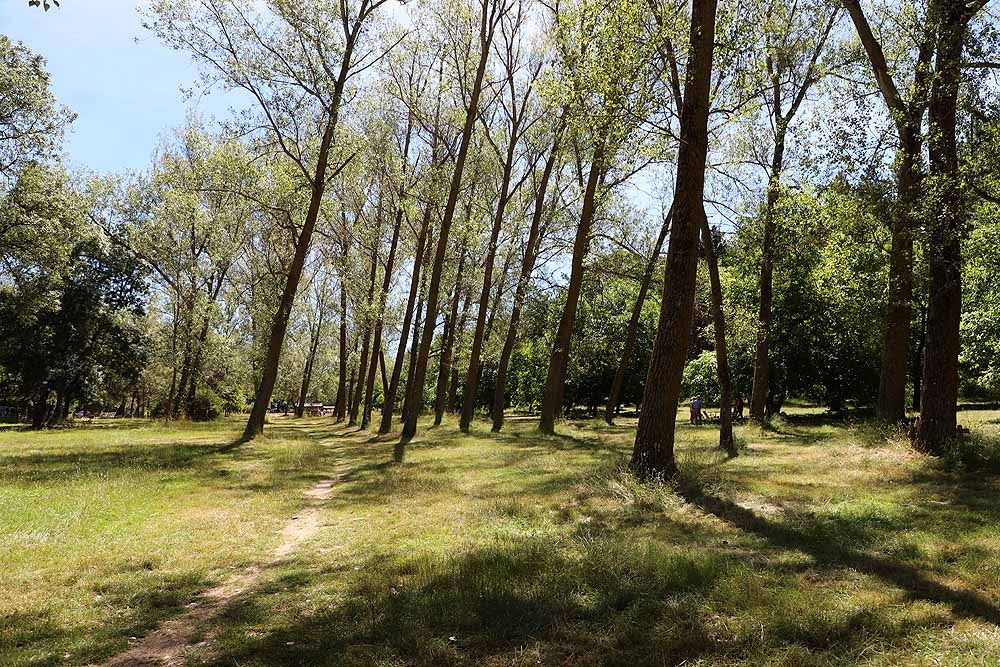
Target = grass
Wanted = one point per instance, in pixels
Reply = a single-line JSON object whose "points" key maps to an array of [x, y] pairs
{"points": [[824, 543]]}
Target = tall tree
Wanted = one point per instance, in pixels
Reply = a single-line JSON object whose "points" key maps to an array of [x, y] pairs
{"points": [[491, 13], [653, 453], [295, 61]]}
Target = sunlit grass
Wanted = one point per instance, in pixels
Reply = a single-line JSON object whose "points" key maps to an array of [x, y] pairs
{"points": [[823, 543]]}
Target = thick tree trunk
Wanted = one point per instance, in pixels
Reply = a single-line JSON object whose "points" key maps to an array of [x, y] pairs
{"points": [[633, 322], [726, 441], [653, 454], [389, 402], [552, 397], [939, 400], [523, 281], [492, 12], [762, 361], [40, 408], [909, 117]]}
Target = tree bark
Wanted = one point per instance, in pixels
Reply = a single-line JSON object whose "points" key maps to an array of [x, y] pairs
{"points": [[633, 322], [552, 397], [761, 365], [726, 441], [366, 342], [653, 453], [939, 400], [524, 279], [340, 407], [492, 12], [448, 344], [908, 117], [389, 402]]}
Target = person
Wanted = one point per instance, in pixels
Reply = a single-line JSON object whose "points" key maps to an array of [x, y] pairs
{"points": [[696, 411], [738, 408]]}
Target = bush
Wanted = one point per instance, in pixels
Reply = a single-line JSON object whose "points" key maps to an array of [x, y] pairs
{"points": [[701, 379], [206, 406]]}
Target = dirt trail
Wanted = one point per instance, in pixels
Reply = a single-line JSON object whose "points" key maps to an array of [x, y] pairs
{"points": [[164, 646]]}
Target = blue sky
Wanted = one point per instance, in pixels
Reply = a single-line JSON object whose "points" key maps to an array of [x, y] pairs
{"points": [[121, 81]]}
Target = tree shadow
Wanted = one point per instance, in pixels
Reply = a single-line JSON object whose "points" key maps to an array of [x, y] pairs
{"points": [[828, 553]]}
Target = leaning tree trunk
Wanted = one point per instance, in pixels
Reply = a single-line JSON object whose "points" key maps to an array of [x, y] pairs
{"points": [[726, 441], [491, 14], [472, 377], [255, 424], [527, 268], [389, 402], [459, 331], [939, 401], [633, 322], [552, 396], [653, 453]]}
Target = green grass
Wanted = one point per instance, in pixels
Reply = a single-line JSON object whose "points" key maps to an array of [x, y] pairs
{"points": [[824, 543]]}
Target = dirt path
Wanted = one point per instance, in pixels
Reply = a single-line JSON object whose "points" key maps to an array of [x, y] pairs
{"points": [[165, 645]]}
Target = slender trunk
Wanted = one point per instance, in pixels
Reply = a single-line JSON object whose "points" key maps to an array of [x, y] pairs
{"points": [[761, 365], [633, 323], [365, 344], [491, 14], [472, 377], [939, 399], [448, 343], [726, 441], [310, 361], [552, 398], [653, 453], [527, 268], [276, 340], [389, 401], [196, 364], [340, 406], [411, 388], [456, 350]]}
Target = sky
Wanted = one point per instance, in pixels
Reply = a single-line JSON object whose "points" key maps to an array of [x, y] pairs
{"points": [[123, 84]]}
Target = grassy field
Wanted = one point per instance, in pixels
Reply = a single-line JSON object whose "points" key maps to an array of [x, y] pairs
{"points": [[824, 543]]}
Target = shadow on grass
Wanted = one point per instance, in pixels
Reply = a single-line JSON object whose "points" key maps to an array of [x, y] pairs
{"points": [[833, 553], [532, 601]]}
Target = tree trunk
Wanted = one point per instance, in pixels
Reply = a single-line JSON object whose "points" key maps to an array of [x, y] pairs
{"points": [[653, 453], [633, 323], [472, 377], [552, 396], [40, 408], [939, 400], [726, 441], [456, 349], [761, 365], [255, 424], [492, 12], [448, 344], [527, 268], [340, 407], [389, 402], [365, 343]]}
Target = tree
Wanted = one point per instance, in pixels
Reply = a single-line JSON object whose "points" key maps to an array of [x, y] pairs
{"points": [[907, 114], [31, 121], [653, 452], [490, 15], [295, 61]]}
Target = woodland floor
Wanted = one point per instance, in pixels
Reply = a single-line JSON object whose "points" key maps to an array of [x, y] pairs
{"points": [[824, 543]]}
